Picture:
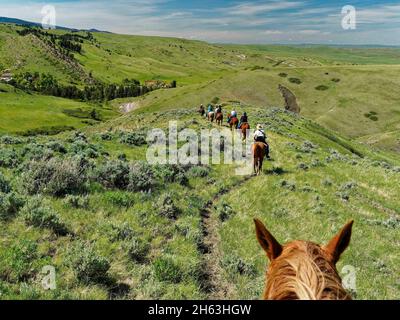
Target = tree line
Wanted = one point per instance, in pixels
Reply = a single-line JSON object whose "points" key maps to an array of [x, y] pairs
{"points": [[46, 84]]}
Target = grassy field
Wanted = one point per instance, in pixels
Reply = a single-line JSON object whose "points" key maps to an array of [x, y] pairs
{"points": [[353, 83], [154, 242], [21, 112]]}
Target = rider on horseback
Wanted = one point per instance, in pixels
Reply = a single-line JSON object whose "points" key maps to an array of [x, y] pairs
{"points": [[260, 136], [202, 111], [210, 108], [243, 119], [232, 115]]}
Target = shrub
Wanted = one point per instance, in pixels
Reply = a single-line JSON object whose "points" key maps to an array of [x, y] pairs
{"points": [[113, 174], [10, 203], [199, 172], [18, 260], [235, 265], [372, 115], [295, 80], [170, 173], [280, 213], [321, 88], [141, 177], [120, 232], [336, 80], [133, 139], [35, 151], [77, 202], [36, 214], [106, 136], [56, 177], [56, 147], [87, 264], [167, 207], [225, 212], [10, 140], [138, 250], [327, 182], [120, 199], [9, 158], [290, 185], [303, 166], [4, 184], [283, 75], [82, 147], [166, 269]]}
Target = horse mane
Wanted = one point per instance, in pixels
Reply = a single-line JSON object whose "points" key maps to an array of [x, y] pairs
{"points": [[303, 272]]}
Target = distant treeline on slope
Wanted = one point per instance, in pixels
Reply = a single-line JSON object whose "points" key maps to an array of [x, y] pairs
{"points": [[47, 84]]}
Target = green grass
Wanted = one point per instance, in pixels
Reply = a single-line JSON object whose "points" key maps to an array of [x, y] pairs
{"points": [[20, 111], [173, 266]]}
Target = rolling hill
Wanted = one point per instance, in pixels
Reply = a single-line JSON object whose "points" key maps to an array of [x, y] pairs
{"points": [[352, 82], [84, 200]]}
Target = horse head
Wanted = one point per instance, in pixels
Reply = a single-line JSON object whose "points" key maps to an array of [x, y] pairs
{"points": [[303, 270]]}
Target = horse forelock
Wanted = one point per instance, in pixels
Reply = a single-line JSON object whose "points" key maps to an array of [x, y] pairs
{"points": [[303, 272]]}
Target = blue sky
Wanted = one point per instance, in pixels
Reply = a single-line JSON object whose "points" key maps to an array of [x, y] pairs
{"points": [[247, 21]]}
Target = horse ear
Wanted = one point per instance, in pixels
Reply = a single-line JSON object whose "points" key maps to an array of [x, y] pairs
{"points": [[340, 242], [267, 241]]}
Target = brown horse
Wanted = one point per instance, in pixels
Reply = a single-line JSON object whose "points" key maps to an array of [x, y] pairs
{"points": [[245, 130], [303, 270], [211, 116], [258, 157], [219, 118], [233, 123]]}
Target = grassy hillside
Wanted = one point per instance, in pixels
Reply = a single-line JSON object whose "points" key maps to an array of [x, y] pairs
{"points": [[22, 112], [112, 240], [353, 83]]}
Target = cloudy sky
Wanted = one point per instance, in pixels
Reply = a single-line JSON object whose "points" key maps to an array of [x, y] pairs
{"points": [[227, 21]]}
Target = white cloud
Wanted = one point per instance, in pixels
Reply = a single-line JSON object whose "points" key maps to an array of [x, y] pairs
{"points": [[251, 8]]}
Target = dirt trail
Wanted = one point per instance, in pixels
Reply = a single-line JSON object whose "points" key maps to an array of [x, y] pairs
{"points": [[214, 283]]}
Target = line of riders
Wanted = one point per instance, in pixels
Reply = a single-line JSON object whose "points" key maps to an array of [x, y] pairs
{"points": [[258, 136]]}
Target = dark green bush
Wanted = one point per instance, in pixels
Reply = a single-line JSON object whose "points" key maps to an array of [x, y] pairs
{"points": [[9, 158], [295, 80], [10, 203], [225, 212], [4, 184], [133, 138], [321, 88], [113, 174]]}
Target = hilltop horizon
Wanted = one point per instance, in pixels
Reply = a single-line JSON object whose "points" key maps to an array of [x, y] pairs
{"points": [[21, 22]]}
